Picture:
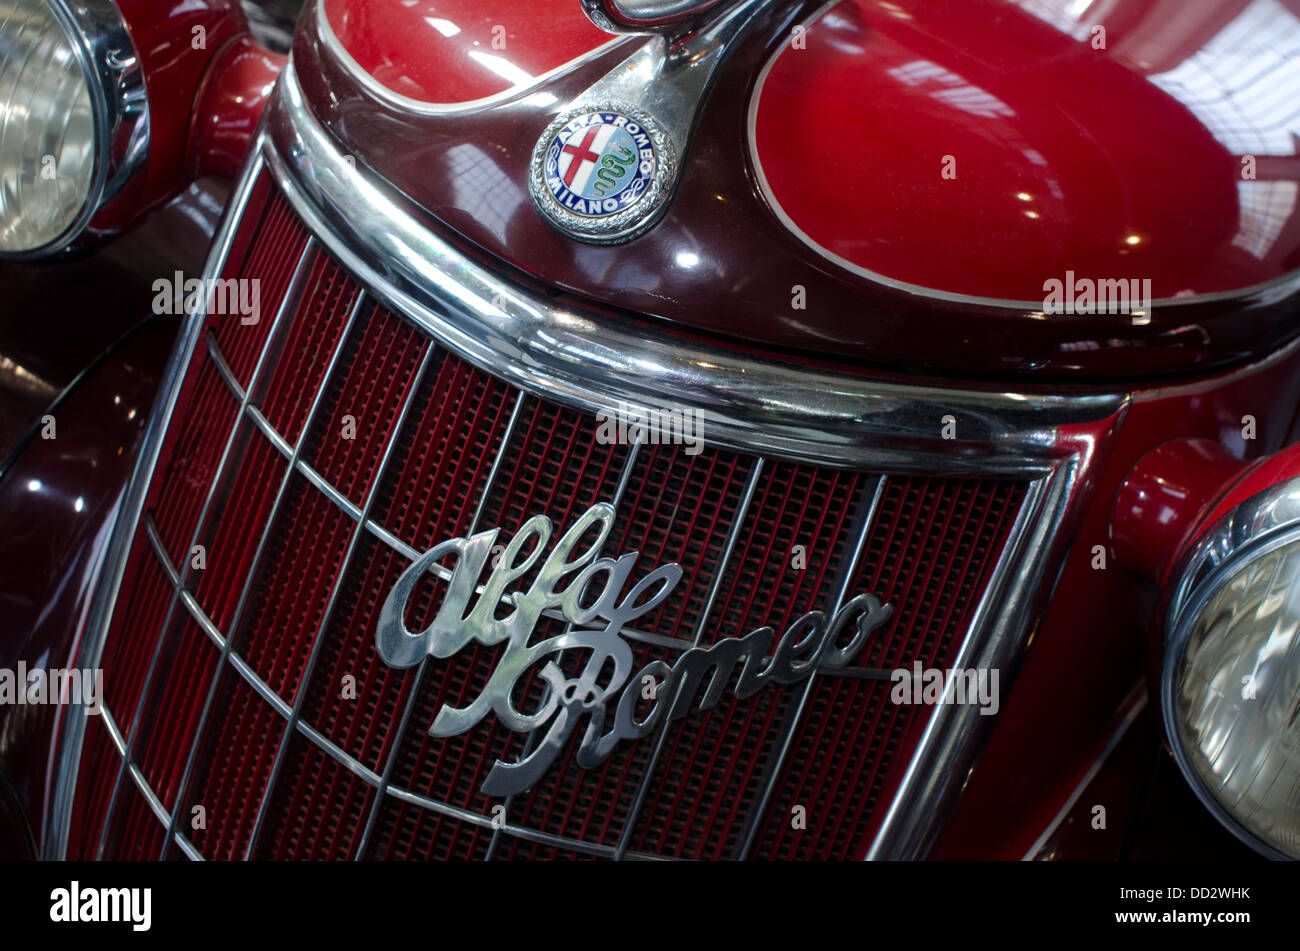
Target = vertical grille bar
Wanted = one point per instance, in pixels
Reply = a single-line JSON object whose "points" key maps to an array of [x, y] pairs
{"points": [[391, 763], [253, 567], [664, 729], [928, 779], [263, 358], [358, 530], [624, 477], [867, 517]]}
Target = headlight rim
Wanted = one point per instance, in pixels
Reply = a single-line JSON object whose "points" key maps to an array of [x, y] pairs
{"points": [[110, 63], [1253, 529]]}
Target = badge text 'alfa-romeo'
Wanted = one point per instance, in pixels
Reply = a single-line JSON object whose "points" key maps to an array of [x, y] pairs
{"points": [[601, 173], [587, 590]]}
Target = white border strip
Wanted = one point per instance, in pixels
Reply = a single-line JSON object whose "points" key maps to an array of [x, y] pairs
{"points": [[329, 39], [1271, 291]]}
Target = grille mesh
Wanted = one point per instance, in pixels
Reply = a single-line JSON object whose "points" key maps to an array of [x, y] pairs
{"points": [[313, 453]]}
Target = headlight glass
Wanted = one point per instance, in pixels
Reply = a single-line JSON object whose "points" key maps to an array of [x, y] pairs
{"points": [[47, 135], [1235, 694]]}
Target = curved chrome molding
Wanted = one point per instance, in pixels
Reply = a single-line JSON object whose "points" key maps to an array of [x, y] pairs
{"points": [[339, 53], [639, 16], [119, 105], [1258, 526], [592, 362]]}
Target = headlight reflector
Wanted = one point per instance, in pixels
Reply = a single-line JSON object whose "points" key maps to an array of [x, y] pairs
{"points": [[73, 119], [1231, 678]]}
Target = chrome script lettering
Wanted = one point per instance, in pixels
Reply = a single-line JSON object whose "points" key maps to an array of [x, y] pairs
{"points": [[586, 589]]}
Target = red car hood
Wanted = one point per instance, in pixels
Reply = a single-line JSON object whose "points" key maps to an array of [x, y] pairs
{"points": [[915, 167]]}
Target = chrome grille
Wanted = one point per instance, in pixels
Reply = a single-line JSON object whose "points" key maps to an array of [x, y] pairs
{"points": [[230, 701]]}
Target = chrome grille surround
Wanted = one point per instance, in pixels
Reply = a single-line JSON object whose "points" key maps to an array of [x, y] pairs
{"points": [[763, 407]]}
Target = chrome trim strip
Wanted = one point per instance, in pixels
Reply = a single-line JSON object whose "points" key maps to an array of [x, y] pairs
{"points": [[1136, 705], [114, 733], [292, 298], [511, 423], [530, 744], [665, 728], [328, 615], [142, 784], [641, 16], [173, 578], [150, 797], [190, 851], [356, 767], [160, 550], [755, 817], [464, 815], [1267, 292], [395, 543], [260, 686], [527, 339], [999, 629], [1220, 379], [183, 572], [334, 46], [404, 721], [65, 749], [732, 537]]}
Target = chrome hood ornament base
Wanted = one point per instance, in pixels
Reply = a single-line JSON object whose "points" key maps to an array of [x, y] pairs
{"points": [[605, 168]]}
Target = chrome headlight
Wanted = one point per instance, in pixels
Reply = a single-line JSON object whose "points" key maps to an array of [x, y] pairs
{"points": [[1231, 677], [73, 119]]}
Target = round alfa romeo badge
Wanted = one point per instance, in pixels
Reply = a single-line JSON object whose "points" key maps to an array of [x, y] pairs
{"points": [[600, 173]]}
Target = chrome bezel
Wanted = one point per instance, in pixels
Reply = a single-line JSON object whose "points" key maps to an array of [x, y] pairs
{"points": [[632, 221], [1257, 527], [119, 109]]}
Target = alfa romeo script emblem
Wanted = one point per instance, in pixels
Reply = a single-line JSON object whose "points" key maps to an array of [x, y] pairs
{"points": [[601, 172], [592, 594]]}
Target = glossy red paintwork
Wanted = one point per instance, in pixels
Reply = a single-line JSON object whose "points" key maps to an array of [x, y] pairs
{"points": [[1087, 653], [175, 42], [455, 51], [722, 262], [1268, 473], [229, 105], [1161, 500], [1091, 646], [102, 357], [1063, 156], [206, 82], [57, 501]]}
